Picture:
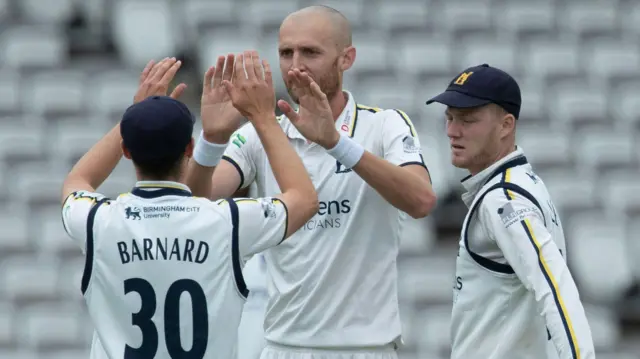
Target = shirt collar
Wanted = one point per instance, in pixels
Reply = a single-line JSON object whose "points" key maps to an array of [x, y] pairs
{"points": [[154, 189], [344, 124], [473, 183]]}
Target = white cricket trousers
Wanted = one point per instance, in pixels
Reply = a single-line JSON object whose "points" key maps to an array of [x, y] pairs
{"points": [[276, 351]]}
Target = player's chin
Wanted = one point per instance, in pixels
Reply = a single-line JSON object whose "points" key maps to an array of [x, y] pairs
{"points": [[459, 160]]}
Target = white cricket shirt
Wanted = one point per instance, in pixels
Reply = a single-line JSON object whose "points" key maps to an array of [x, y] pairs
{"points": [[513, 291], [163, 273], [333, 284]]}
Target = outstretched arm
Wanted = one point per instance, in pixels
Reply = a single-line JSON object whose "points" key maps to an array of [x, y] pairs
{"points": [[98, 163], [215, 178], [254, 97]]}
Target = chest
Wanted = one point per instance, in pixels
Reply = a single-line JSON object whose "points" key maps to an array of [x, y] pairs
{"points": [[330, 178], [474, 285]]}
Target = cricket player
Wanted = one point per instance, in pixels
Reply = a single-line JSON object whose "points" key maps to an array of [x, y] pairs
{"points": [[513, 291], [163, 274], [333, 286]]}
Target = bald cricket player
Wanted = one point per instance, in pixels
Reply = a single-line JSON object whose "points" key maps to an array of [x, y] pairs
{"points": [[332, 288]]}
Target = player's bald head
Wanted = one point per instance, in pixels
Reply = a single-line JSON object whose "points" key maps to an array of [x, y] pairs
{"points": [[337, 22]]}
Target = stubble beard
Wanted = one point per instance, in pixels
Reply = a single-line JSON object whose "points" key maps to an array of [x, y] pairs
{"points": [[329, 84]]}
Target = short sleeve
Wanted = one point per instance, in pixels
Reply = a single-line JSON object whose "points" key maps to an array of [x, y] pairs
{"points": [[262, 224], [400, 142], [240, 153], [75, 213]]}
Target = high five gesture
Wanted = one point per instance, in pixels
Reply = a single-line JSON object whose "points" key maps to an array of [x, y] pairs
{"points": [[219, 118], [253, 95]]}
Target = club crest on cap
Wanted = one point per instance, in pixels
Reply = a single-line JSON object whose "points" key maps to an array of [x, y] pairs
{"points": [[463, 78]]}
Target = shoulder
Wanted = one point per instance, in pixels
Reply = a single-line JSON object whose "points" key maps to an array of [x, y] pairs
{"points": [[387, 117], [245, 138], [80, 202], [239, 137], [512, 200], [86, 196]]}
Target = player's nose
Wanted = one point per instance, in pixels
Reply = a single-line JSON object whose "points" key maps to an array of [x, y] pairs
{"points": [[298, 62], [453, 129]]}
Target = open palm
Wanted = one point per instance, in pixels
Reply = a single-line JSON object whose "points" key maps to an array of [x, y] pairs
{"points": [[219, 117], [314, 118]]}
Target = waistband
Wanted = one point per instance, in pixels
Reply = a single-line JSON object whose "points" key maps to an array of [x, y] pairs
{"points": [[389, 348]]}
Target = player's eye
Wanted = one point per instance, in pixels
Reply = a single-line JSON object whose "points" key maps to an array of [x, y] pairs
{"points": [[285, 52]]}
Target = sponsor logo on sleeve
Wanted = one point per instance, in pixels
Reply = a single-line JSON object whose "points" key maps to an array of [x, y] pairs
{"points": [[268, 208], [409, 145], [89, 195], [509, 215], [238, 140]]}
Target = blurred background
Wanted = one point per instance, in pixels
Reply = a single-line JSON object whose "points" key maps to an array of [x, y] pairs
{"points": [[69, 68]]}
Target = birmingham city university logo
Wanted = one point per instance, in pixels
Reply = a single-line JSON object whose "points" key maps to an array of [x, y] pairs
{"points": [[133, 213]]}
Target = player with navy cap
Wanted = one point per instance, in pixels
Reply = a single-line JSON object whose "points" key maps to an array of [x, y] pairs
{"points": [[513, 291], [163, 269]]}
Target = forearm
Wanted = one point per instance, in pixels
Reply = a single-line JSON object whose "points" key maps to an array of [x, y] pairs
{"points": [[198, 179], [96, 165], [402, 188], [530, 250], [568, 324], [559, 301]]}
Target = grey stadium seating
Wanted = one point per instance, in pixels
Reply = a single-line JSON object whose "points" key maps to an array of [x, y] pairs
{"points": [[68, 69]]}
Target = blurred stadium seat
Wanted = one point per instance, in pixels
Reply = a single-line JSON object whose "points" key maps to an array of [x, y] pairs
{"points": [[578, 63]]}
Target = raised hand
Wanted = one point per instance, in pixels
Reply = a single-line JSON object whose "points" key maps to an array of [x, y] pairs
{"points": [[219, 118], [314, 118], [155, 80], [252, 94]]}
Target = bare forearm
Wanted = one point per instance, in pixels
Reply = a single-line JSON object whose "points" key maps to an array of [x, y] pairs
{"points": [[96, 165], [198, 178], [404, 189]]}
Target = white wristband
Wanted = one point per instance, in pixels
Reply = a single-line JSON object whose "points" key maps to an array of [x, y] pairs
{"points": [[208, 154], [347, 151]]}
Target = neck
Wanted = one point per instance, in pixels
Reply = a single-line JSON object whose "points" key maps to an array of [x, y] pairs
{"points": [[171, 178], [493, 159], [338, 103]]}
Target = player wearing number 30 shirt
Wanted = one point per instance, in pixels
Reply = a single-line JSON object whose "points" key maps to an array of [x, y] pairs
{"points": [[150, 251], [163, 271]]}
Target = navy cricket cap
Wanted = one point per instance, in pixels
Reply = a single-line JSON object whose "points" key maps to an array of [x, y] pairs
{"points": [[481, 85], [157, 128]]}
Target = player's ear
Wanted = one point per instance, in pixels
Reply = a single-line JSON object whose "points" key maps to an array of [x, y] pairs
{"points": [[508, 124], [348, 58], [188, 152], [125, 151]]}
